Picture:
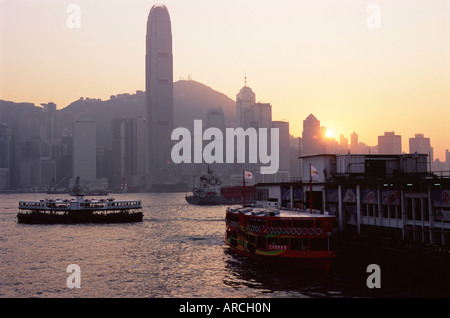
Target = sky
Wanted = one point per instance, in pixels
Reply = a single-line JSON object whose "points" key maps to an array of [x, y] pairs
{"points": [[358, 66]]}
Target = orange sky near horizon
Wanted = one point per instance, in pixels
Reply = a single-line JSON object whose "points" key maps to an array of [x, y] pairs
{"points": [[303, 57]]}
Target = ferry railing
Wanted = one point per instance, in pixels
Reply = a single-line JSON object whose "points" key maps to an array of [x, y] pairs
{"points": [[444, 174]]}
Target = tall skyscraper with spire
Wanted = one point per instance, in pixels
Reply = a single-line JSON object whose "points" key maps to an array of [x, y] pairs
{"points": [[244, 99], [159, 93]]}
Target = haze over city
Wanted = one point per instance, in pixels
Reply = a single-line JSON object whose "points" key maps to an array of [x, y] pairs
{"points": [[303, 57]]}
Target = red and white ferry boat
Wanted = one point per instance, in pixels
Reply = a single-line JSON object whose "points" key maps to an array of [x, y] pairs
{"points": [[295, 235]]}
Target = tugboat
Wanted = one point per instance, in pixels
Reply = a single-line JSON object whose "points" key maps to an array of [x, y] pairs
{"points": [[79, 210], [209, 191], [305, 237]]}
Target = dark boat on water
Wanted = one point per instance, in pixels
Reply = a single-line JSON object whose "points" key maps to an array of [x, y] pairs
{"points": [[79, 210], [208, 192]]}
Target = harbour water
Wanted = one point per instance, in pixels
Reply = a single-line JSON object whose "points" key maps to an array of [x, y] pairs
{"points": [[176, 252]]}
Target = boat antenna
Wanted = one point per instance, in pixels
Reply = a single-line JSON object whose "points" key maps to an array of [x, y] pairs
{"points": [[124, 186], [310, 190]]}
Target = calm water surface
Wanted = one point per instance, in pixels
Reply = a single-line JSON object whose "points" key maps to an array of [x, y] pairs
{"points": [[177, 251]]}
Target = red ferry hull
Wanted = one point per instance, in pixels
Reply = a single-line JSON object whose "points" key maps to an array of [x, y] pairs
{"points": [[304, 259], [282, 236]]}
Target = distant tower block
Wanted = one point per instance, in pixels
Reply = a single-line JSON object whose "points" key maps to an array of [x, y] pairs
{"points": [[245, 98], [159, 93]]}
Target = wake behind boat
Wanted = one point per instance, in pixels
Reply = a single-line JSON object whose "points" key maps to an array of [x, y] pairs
{"points": [[79, 210]]}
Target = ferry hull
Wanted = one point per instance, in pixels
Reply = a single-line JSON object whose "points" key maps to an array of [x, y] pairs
{"points": [[304, 259], [282, 236], [197, 200], [77, 218]]}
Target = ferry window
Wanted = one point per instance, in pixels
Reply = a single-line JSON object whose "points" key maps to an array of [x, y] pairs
{"points": [[284, 241], [296, 223], [251, 238], [418, 209], [409, 208], [426, 215], [318, 223], [261, 242], [295, 244], [308, 223], [298, 244], [320, 244], [272, 241], [385, 211], [365, 209]]}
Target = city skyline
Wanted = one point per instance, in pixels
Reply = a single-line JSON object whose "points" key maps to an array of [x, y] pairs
{"points": [[321, 58]]}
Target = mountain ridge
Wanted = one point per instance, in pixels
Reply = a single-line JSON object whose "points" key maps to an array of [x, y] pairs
{"points": [[192, 100]]}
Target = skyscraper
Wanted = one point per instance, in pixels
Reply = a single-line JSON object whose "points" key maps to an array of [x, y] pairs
{"points": [[244, 99], [420, 144], [85, 156], [354, 145], [312, 136], [128, 160], [84, 149], [159, 93], [390, 143]]}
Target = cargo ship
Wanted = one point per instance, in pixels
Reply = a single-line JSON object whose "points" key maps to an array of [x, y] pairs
{"points": [[208, 192], [305, 237]]}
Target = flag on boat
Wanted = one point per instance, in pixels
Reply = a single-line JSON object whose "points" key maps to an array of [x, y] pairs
{"points": [[248, 175], [314, 173]]}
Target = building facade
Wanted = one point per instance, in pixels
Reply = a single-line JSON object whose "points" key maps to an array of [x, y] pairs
{"points": [[159, 94], [390, 143]]}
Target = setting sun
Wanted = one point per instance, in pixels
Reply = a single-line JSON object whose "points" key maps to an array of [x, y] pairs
{"points": [[329, 134]]}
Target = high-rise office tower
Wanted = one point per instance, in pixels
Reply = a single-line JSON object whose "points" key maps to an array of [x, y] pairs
{"points": [[312, 136], [420, 144], [128, 161], [244, 99], [390, 143], [159, 93], [258, 115], [354, 145], [85, 157], [284, 149], [84, 150]]}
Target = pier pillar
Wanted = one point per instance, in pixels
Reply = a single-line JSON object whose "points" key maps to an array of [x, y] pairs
{"points": [[291, 197], [380, 208], [358, 208], [323, 201], [341, 216], [403, 212], [431, 216]]}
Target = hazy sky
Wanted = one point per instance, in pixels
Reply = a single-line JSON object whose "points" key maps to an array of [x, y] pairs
{"points": [[315, 56]]}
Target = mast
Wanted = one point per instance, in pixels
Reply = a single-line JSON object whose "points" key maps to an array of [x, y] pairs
{"points": [[243, 187], [310, 190]]}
